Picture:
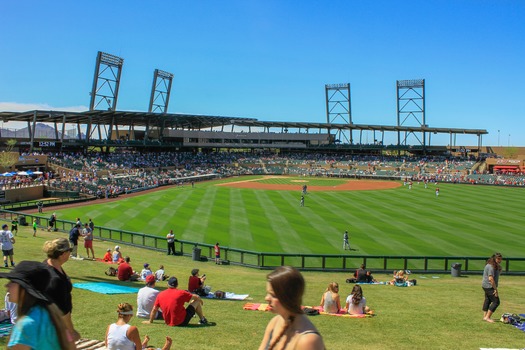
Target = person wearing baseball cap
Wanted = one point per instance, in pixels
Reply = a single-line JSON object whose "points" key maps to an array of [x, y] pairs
{"points": [[171, 301], [146, 298], [40, 324], [146, 271]]}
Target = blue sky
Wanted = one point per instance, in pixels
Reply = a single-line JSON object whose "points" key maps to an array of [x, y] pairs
{"points": [[271, 59]]}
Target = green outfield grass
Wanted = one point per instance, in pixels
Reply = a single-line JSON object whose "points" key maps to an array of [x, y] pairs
{"points": [[465, 220]]}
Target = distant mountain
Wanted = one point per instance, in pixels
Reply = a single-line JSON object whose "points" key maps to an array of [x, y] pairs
{"points": [[42, 131]]}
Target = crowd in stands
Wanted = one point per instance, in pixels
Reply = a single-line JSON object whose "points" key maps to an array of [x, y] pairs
{"points": [[110, 174]]}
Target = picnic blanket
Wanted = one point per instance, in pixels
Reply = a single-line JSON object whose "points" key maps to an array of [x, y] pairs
{"points": [[229, 296], [87, 344], [105, 262], [520, 325], [5, 328], [106, 288], [266, 307]]}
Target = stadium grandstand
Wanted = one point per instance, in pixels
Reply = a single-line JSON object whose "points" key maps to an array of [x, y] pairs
{"points": [[106, 151]]}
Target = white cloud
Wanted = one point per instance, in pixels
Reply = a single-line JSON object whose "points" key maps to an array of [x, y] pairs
{"points": [[24, 107]]}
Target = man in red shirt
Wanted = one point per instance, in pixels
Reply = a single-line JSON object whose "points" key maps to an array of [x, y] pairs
{"points": [[172, 301], [196, 282], [125, 272]]}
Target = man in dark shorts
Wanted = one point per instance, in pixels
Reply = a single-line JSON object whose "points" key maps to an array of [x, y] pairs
{"points": [[74, 234], [14, 226], [52, 223], [171, 301]]}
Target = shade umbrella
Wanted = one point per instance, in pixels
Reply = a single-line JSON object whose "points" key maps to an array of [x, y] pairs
{"points": [[37, 172], [6, 174], [22, 173]]}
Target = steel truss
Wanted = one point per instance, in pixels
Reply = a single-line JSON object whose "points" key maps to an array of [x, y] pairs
{"points": [[411, 109], [339, 109], [160, 96], [106, 83]]}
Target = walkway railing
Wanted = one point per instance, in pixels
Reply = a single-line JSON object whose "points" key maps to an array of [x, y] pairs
{"points": [[262, 260]]}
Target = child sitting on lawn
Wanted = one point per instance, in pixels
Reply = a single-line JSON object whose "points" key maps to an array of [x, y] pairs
{"points": [[107, 257]]}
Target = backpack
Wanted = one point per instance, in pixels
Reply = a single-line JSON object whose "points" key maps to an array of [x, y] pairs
{"points": [[512, 319], [311, 311], [111, 271]]}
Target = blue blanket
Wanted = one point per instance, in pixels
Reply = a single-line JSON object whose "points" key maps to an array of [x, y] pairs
{"points": [[106, 288]]}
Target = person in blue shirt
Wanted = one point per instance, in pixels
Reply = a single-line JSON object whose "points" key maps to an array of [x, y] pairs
{"points": [[39, 325]]}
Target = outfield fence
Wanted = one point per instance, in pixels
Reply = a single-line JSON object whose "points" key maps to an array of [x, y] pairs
{"points": [[347, 262]]}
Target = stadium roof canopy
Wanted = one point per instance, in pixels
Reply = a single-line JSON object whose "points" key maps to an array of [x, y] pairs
{"points": [[304, 125], [169, 120], [198, 122]]}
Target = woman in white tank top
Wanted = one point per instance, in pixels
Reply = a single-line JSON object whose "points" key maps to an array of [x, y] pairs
{"points": [[120, 335]]}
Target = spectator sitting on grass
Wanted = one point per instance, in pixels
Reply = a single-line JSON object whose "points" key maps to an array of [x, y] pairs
{"points": [[196, 282], [11, 309], [125, 271], [171, 301], [107, 257], [356, 302], [160, 275], [360, 274], [146, 271], [120, 335], [146, 299], [399, 277], [330, 301], [117, 255]]}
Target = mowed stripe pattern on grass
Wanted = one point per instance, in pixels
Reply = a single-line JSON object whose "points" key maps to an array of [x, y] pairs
{"points": [[465, 220]]}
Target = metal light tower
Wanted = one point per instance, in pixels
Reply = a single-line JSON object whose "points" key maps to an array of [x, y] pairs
{"points": [[339, 108], [411, 108], [160, 91], [106, 82]]}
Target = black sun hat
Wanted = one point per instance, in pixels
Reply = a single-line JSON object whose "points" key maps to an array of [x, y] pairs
{"points": [[33, 276]]}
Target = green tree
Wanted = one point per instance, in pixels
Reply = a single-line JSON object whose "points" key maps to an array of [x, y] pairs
{"points": [[8, 158]]}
